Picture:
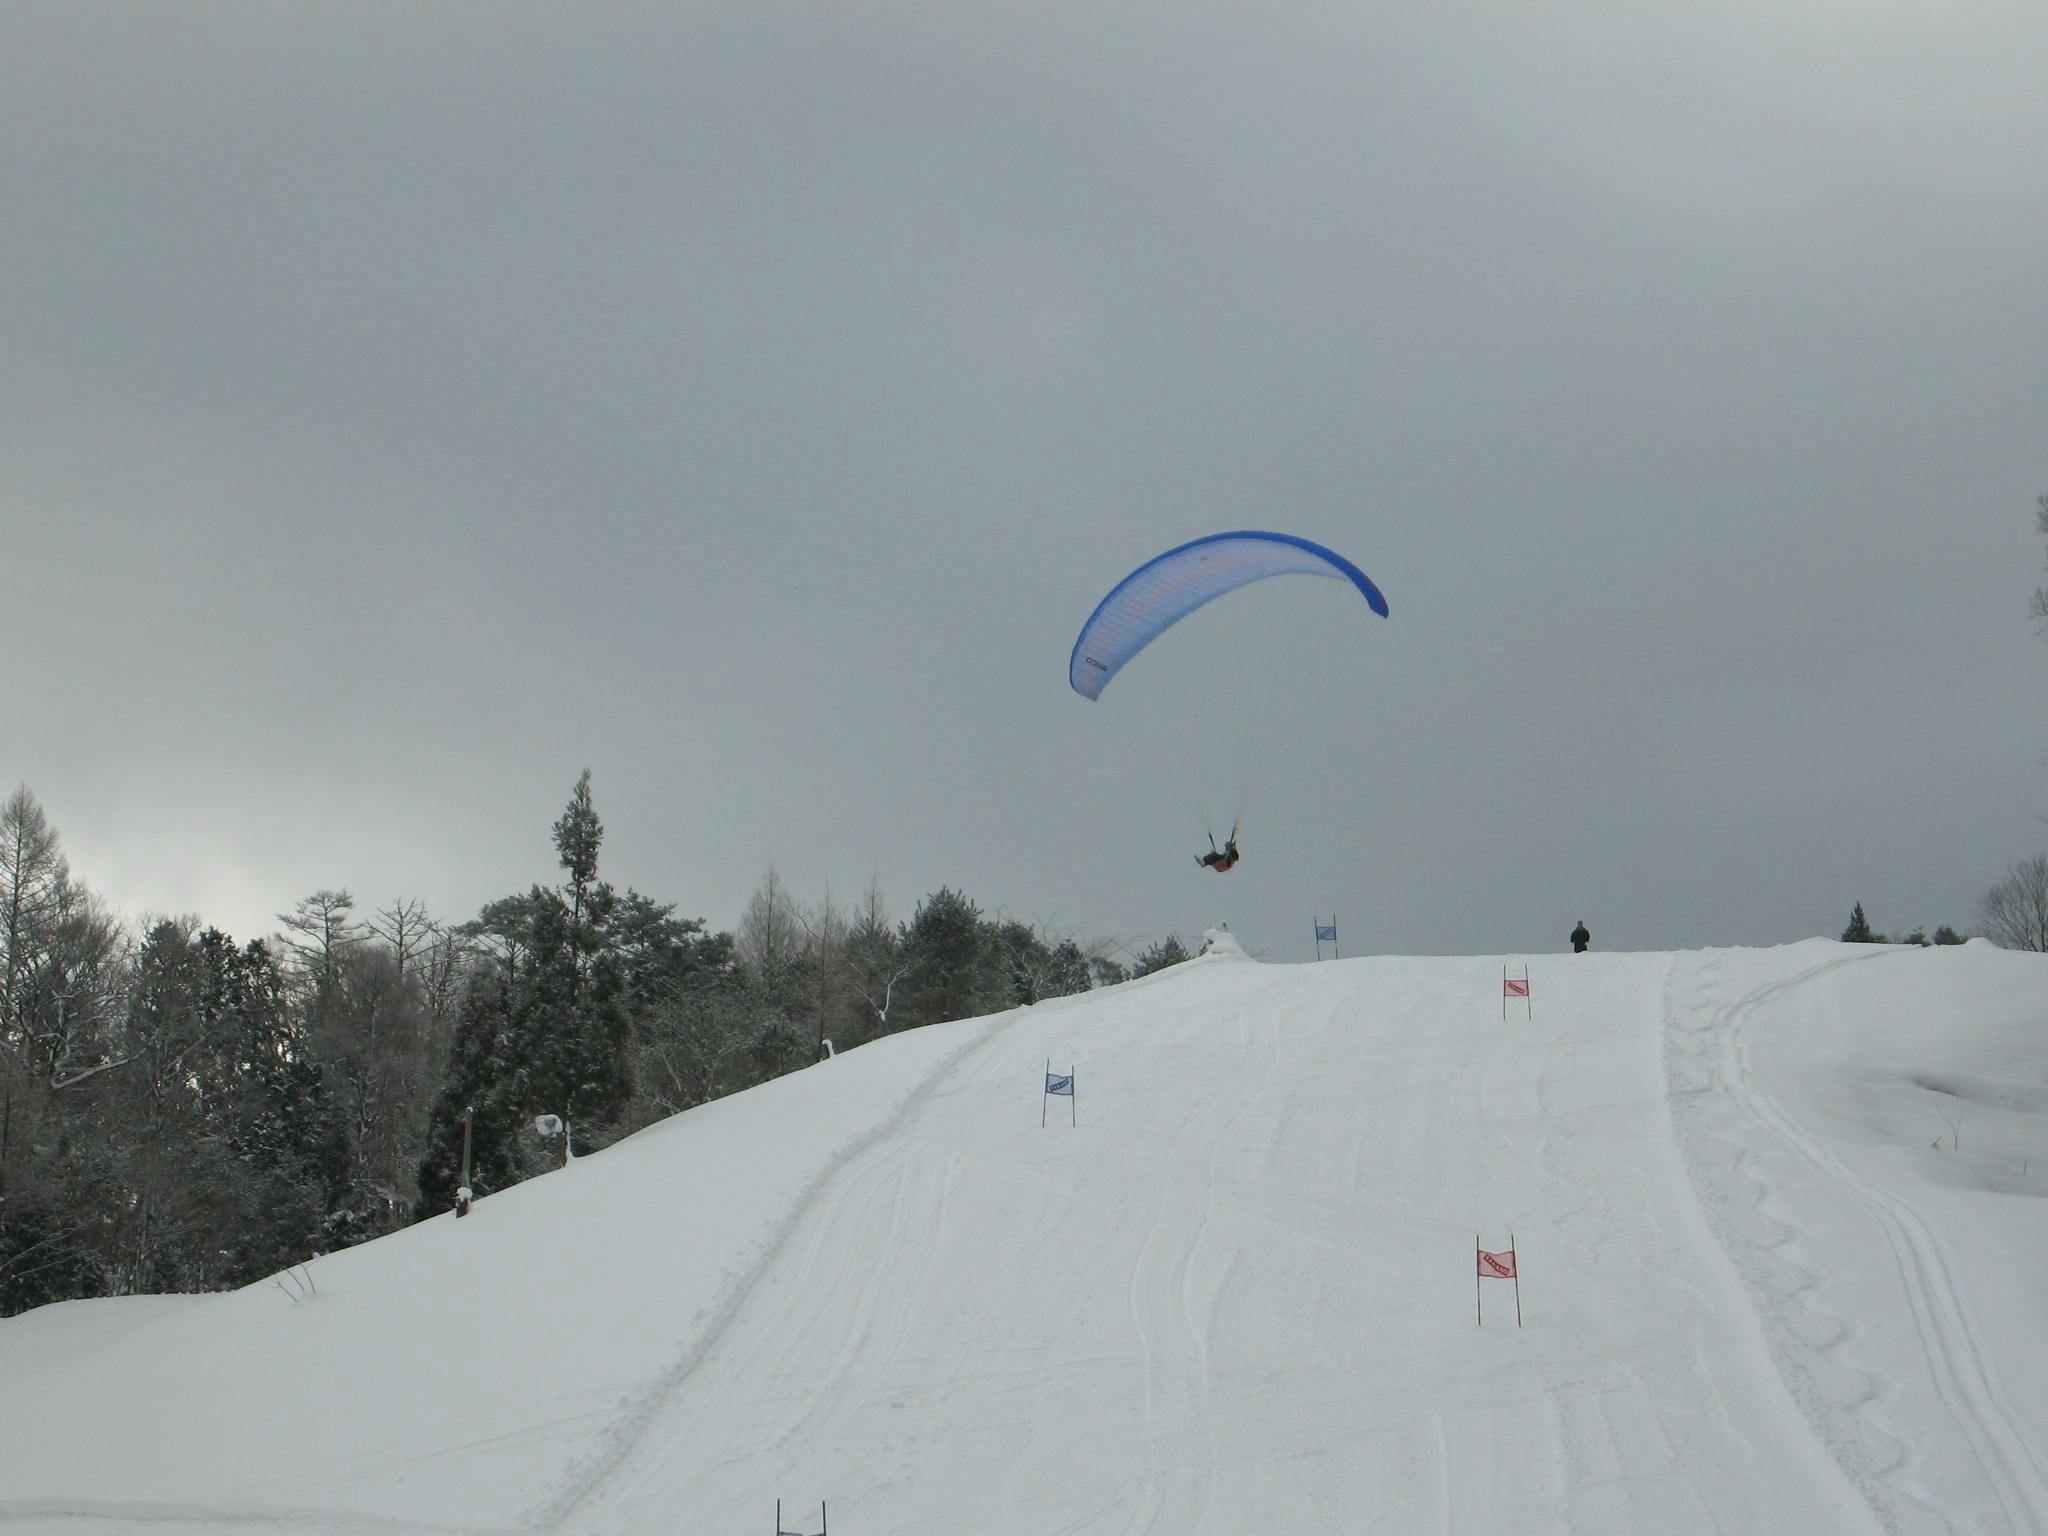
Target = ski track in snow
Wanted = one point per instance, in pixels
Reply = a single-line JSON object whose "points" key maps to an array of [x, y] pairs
{"points": [[864, 1165], [851, 1162], [1590, 1441], [1709, 1048], [1236, 1296], [115, 1517]]}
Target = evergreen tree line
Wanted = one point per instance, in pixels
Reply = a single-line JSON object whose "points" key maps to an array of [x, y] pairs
{"points": [[182, 1112], [1859, 931], [2013, 914]]}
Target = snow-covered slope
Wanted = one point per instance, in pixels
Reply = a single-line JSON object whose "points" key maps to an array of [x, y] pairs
{"points": [[1237, 1296]]}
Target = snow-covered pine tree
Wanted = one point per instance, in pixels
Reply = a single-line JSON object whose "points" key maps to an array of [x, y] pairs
{"points": [[1168, 951], [547, 1030], [262, 1092], [943, 943]]}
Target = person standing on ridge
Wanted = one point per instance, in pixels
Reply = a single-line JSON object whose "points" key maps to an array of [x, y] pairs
{"points": [[1580, 938]]}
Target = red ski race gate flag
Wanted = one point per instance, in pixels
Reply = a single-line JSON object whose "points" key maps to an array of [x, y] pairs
{"points": [[1496, 1266], [1515, 986]]}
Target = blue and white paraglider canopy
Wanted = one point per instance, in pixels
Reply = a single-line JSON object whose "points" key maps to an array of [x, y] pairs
{"points": [[1223, 704], [1169, 587]]}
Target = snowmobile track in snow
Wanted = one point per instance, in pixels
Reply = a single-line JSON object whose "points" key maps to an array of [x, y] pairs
{"points": [[1959, 1365]]}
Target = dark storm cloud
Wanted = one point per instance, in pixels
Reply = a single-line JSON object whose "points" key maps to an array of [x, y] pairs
{"points": [[407, 407]]}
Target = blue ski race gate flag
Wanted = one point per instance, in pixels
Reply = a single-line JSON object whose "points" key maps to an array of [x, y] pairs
{"points": [[1060, 1088]]}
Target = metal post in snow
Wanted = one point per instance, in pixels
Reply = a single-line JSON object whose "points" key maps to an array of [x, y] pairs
{"points": [[1336, 944], [1045, 1084], [1507, 990]]}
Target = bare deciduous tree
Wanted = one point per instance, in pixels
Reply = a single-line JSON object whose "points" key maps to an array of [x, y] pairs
{"points": [[875, 957], [827, 991], [319, 936], [59, 957], [405, 926], [32, 874], [2015, 911], [769, 929], [443, 962], [381, 1052], [2041, 593], [70, 998]]}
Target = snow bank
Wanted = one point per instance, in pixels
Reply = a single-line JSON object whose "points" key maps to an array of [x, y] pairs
{"points": [[1221, 944]]}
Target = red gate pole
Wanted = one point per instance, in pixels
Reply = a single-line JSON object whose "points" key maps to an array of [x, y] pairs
{"points": [[1503, 1006], [1516, 1261], [1478, 1305]]}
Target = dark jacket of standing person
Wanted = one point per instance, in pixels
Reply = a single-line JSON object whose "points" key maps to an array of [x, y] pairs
{"points": [[1580, 938]]}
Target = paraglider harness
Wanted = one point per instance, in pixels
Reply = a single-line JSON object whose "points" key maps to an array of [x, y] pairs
{"points": [[1222, 862]]}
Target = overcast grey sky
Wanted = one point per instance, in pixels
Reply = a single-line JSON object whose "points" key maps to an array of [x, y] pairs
{"points": [[405, 407]]}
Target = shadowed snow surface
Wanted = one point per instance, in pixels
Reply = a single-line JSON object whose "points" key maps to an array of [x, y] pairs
{"points": [[1237, 1297]]}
